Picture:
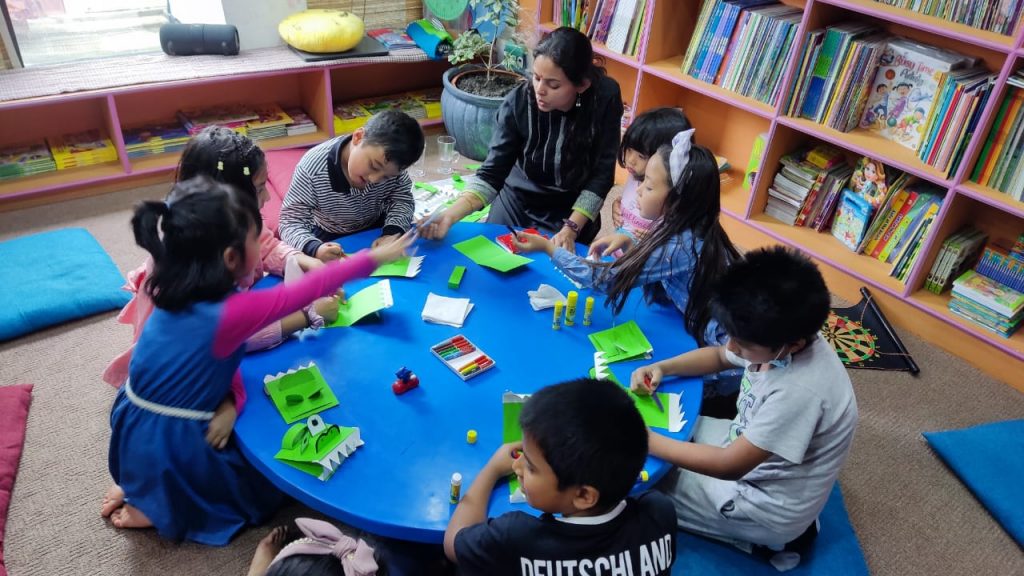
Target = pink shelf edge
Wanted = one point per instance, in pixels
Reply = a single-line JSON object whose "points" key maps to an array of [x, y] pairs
{"points": [[696, 86], [1013, 206], [61, 186], [910, 21]]}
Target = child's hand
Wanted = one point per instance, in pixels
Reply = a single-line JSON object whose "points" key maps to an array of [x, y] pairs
{"points": [[501, 461], [384, 240], [223, 422], [328, 308], [329, 251], [617, 212], [394, 250], [308, 263], [565, 238], [645, 380], [533, 243], [438, 227], [608, 245]]}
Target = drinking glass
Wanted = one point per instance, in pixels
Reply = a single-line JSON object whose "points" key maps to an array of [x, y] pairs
{"points": [[418, 169], [446, 154]]}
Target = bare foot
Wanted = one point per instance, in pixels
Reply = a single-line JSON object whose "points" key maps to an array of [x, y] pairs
{"points": [[128, 516], [268, 549], [112, 500]]}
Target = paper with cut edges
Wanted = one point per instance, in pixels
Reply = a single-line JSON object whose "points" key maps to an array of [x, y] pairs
{"points": [[408, 267], [369, 300]]}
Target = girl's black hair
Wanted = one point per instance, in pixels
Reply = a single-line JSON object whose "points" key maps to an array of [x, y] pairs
{"points": [[692, 204], [571, 51], [187, 235], [652, 129], [324, 564], [225, 156]]}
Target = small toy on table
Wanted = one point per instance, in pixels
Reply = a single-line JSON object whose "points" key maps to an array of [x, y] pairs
{"points": [[406, 381], [456, 278], [318, 448], [462, 356]]}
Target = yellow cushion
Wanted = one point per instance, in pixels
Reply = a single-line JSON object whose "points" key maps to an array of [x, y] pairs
{"points": [[320, 31]]}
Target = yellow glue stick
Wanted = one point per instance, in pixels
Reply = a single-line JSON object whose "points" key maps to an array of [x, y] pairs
{"points": [[556, 320], [570, 308], [456, 488], [588, 310]]}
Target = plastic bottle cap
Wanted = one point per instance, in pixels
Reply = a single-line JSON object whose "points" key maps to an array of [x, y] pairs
{"points": [[644, 477], [456, 478], [471, 436]]}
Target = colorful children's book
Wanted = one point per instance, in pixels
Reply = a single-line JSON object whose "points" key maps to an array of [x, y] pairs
{"points": [[988, 293], [852, 219], [905, 88]]}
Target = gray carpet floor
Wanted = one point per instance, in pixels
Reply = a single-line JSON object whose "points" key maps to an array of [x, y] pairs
{"points": [[911, 514]]}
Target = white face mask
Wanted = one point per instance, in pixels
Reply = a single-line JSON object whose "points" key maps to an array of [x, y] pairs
{"points": [[737, 360]]}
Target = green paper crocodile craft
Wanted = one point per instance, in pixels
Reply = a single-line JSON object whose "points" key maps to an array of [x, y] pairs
{"points": [[317, 448]]}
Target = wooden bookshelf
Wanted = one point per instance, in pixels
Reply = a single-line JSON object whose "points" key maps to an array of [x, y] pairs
{"points": [[728, 123]]}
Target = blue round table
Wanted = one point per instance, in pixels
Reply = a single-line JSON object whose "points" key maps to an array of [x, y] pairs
{"points": [[397, 484]]}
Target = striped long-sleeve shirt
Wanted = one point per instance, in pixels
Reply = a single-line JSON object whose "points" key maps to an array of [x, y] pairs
{"points": [[321, 204]]}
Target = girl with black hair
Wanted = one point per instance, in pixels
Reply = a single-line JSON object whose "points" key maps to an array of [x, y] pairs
{"points": [[682, 254], [226, 156], [203, 239], [552, 155]]}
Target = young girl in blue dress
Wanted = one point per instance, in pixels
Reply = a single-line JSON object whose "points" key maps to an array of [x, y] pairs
{"points": [[204, 239], [679, 257]]}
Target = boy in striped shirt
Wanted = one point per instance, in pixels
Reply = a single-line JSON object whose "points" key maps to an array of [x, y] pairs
{"points": [[353, 183]]}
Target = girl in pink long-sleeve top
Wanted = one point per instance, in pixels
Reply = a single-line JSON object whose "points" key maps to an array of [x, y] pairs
{"points": [[204, 241], [226, 156]]}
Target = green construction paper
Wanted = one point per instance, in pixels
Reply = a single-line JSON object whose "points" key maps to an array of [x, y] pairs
{"points": [[371, 299], [484, 252], [611, 376], [306, 383], [623, 342], [428, 187], [456, 177], [653, 417], [512, 406], [304, 451], [479, 215], [407, 267], [473, 167]]}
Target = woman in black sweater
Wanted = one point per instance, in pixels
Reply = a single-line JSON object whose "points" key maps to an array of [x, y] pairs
{"points": [[552, 157]]}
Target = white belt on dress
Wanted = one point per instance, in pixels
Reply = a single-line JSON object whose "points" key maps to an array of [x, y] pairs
{"points": [[164, 410]]}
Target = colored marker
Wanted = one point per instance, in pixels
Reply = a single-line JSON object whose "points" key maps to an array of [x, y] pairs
{"points": [[588, 311], [570, 308], [654, 395], [556, 320]]}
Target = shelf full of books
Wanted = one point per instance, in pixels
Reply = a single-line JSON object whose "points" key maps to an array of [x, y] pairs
{"points": [[616, 27]]}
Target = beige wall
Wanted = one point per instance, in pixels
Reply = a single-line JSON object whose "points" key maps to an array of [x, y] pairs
{"points": [[377, 13]]}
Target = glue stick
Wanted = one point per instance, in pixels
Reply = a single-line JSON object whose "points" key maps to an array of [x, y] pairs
{"points": [[456, 488], [556, 321], [588, 310], [570, 308]]}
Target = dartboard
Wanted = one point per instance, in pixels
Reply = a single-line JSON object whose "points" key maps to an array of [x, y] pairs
{"points": [[851, 339]]}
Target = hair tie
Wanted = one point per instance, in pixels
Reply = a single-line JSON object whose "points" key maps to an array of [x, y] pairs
{"points": [[323, 538], [680, 156], [220, 165], [245, 170]]}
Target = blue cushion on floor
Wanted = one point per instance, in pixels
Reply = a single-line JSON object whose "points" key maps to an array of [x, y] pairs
{"points": [[989, 459], [835, 552], [53, 277]]}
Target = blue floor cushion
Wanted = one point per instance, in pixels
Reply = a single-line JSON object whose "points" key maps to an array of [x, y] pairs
{"points": [[53, 277], [989, 459], [835, 552]]}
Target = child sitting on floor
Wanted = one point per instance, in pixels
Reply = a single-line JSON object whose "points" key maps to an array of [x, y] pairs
{"points": [[314, 548], [353, 183], [204, 239], [684, 251], [578, 471], [648, 132], [228, 157], [761, 480]]}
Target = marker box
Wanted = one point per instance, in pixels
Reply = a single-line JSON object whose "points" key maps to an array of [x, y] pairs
{"points": [[462, 357]]}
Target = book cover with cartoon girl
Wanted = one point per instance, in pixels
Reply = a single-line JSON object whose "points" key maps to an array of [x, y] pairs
{"points": [[869, 182], [904, 87]]}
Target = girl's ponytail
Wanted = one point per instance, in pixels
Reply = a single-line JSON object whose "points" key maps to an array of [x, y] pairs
{"points": [[145, 225]]}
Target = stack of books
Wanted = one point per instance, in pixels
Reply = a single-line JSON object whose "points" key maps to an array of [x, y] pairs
{"points": [[998, 165], [1000, 16], [234, 117], [155, 139], [81, 149], [349, 116], [959, 102], [430, 99], [393, 38], [987, 303], [957, 254], [301, 122], [25, 160], [422, 104], [270, 122], [1004, 265], [756, 56], [615, 23], [900, 227], [834, 70], [797, 193]]}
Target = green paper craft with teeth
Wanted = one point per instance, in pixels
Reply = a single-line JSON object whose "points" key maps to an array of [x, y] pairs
{"points": [[299, 393], [317, 448]]}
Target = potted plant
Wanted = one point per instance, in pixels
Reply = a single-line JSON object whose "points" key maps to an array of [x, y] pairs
{"points": [[474, 89]]}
